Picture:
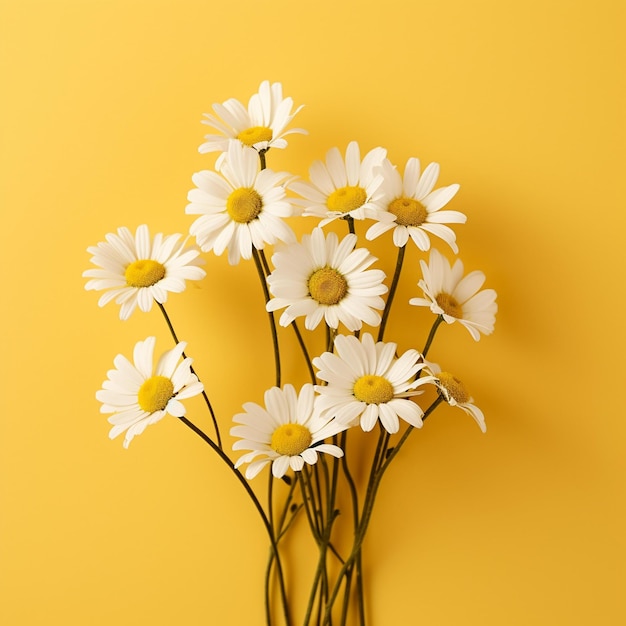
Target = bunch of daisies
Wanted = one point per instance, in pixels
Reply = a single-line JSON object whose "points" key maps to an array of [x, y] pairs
{"points": [[361, 381]]}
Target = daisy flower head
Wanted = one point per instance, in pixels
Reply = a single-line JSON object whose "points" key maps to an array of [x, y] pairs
{"points": [[367, 382], [261, 126], [285, 433], [413, 207], [323, 278], [239, 207], [139, 393], [455, 297], [134, 269], [343, 187], [455, 393]]}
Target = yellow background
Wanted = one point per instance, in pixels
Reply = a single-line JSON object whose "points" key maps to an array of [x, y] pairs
{"points": [[521, 103]]}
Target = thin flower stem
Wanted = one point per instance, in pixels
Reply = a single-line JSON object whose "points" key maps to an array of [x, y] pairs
{"points": [[431, 335], [261, 272], [266, 265], [305, 352], [226, 459], [262, 158], [368, 507], [392, 291], [350, 221], [204, 394]]}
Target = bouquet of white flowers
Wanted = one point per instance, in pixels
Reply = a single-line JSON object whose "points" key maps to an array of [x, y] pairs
{"points": [[359, 382]]}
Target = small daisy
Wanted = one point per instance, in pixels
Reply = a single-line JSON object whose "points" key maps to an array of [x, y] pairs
{"points": [[367, 382], [136, 271], [323, 278], [261, 126], [414, 206], [455, 297], [140, 394], [341, 187], [240, 207], [455, 393], [286, 432]]}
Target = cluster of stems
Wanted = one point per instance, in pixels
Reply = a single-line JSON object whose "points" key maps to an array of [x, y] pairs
{"points": [[337, 586]]}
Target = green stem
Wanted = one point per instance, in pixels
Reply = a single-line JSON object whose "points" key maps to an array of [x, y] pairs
{"points": [[266, 293], [368, 506], [431, 335], [226, 459], [204, 394], [392, 291], [305, 352]]}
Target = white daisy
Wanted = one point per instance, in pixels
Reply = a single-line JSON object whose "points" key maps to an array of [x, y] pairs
{"points": [[455, 393], [260, 126], [366, 381], [340, 188], [414, 206], [139, 394], [324, 278], [136, 271], [240, 207], [286, 433], [455, 297]]}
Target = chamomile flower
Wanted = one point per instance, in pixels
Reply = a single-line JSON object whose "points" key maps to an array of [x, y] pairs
{"points": [[135, 270], [415, 207], [455, 297], [367, 382], [455, 393], [341, 188], [285, 433], [139, 393], [260, 126], [322, 278], [240, 207]]}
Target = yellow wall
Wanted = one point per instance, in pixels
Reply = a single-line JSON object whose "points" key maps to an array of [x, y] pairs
{"points": [[521, 103]]}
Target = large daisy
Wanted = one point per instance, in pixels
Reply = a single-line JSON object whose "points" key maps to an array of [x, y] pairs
{"points": [[240, 207], [322, 278], [367, 382], [341, 188], [413, 208], [455, 297], [139, 393], [135, 270], [260, 126], [285, 432], [455, 393]]}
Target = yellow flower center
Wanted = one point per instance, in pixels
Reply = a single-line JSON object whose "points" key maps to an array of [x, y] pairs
{"points": [[155, 393], [346, 199], [449, 305], [455, 388], [244, 205], [327, 286], [373, 389], [144, 273], [253, 135], [291, 439], [408, 211]]}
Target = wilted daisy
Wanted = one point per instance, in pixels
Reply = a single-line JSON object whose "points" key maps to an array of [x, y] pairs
{"points": [[240, 207], [260, 126], [415, 207], [285, 432], [139, 394], [341, 187], [136, 270], [455, 393], [322, 278], [455, 297], [366, 381]]}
